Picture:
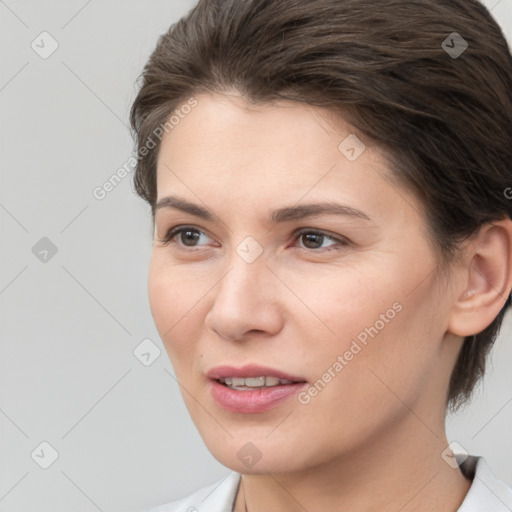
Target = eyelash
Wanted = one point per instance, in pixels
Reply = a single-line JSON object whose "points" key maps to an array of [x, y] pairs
{"points": [[174, 232]]}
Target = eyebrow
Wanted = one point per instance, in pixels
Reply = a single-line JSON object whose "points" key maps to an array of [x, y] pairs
{"points": [[285, 214]]}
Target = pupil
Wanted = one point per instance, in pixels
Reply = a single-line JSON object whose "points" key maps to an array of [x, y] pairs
{"points": [[310, 236], [194, 235]]}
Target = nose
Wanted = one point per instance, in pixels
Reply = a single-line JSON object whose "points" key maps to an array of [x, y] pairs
{"points": [[246, 301]]}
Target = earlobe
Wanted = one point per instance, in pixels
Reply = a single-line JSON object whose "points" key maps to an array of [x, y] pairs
{"points": [[488, 280]]}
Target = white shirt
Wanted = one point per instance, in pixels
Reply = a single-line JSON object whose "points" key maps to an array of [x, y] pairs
{"points": [[486, 494]]}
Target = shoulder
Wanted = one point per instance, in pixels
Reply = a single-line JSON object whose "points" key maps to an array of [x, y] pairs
{"points": [[217, 497], [487, 492]]}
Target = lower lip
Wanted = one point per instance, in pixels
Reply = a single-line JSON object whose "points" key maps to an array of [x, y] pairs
{"points": [[257, 400]]}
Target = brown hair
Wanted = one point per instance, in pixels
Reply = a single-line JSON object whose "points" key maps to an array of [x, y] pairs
{"points": [[444, 118]]}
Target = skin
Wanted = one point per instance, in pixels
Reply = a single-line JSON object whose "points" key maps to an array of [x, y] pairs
{"points": [[373, 437]]}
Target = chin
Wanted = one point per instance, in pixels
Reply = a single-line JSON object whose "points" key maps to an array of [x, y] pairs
{"points": [[256, 457]]}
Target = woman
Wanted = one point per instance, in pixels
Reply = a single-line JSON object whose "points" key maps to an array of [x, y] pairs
{"points": [[333, 244]]}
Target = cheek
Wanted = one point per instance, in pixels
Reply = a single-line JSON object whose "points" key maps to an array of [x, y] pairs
{"points": [[341, 303], [370, 333], [174, 303], [162, 297]]}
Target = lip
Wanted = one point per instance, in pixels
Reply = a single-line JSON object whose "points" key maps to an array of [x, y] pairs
{"points": [[257, 400], [252, 401], [250, 370]]}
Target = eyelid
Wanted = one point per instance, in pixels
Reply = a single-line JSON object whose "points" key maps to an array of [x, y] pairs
{"points": [[337, 238]]}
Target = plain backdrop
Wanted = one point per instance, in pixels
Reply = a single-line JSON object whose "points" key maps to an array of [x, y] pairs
{"points": [[73, 297]]}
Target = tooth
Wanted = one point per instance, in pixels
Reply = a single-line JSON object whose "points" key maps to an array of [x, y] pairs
{"points": [[254, 381], [271, 381]]}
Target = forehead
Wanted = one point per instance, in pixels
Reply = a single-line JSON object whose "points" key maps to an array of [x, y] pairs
{"points": [[233, 115], [226, 134], [252, 155]]}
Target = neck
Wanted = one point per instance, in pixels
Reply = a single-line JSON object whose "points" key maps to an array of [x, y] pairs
{"points": [[394, 472]]}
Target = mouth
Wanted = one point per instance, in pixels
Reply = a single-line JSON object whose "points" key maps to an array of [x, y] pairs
{"points": [[252, 388], [251, 383], [252, 376]]}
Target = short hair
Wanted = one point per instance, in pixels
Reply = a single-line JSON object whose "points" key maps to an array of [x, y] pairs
{"points": [[401, 74]]}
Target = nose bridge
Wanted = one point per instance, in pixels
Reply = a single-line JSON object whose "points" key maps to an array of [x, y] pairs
{"points": [[245, 297], [243, 281]]}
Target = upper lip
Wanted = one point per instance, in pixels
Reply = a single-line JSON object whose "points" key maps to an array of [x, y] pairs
{"points": [[250, 370]]}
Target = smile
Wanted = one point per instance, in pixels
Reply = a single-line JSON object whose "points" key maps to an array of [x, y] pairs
{"points": [[242, 383]]}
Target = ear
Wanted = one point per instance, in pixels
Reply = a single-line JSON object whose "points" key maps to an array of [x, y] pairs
{"points": [[488, 279]]}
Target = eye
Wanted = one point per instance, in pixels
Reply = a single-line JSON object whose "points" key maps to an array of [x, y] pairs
{"points": [[187, 236], [313, 240]]}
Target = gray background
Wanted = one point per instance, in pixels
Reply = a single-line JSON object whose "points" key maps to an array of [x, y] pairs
{"points": [[70, 323]]}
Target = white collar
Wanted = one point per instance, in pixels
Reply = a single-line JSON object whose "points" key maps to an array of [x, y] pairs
{"points": [[486, 494]]}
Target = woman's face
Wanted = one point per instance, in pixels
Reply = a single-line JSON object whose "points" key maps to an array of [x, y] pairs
{"points": [[348, 302]]}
